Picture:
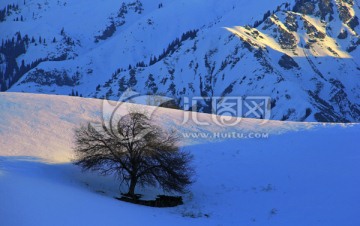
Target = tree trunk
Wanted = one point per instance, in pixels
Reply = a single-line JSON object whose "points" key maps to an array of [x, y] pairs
{"points": [[132, 186]]}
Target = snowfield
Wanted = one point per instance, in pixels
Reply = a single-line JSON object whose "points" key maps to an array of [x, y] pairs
{"points": [[302, 174]]}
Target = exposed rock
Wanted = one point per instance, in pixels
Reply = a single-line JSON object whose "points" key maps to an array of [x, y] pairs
{"points": [[55, 77], [291, 22], [354, 22], [344, 13], [304, 6], [325, 8], [287, 62], [343, 34], [312, 31], [286, 39]]}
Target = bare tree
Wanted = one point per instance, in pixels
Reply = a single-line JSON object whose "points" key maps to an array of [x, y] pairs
{"points": [[136, 151]]}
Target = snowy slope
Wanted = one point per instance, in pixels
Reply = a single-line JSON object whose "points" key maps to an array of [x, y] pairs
{"points": [[51, 121], [302, 54], [302, 174]]}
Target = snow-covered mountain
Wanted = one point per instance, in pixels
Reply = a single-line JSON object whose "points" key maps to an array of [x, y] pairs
{"points": [[238, 181], [302, 53]]}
